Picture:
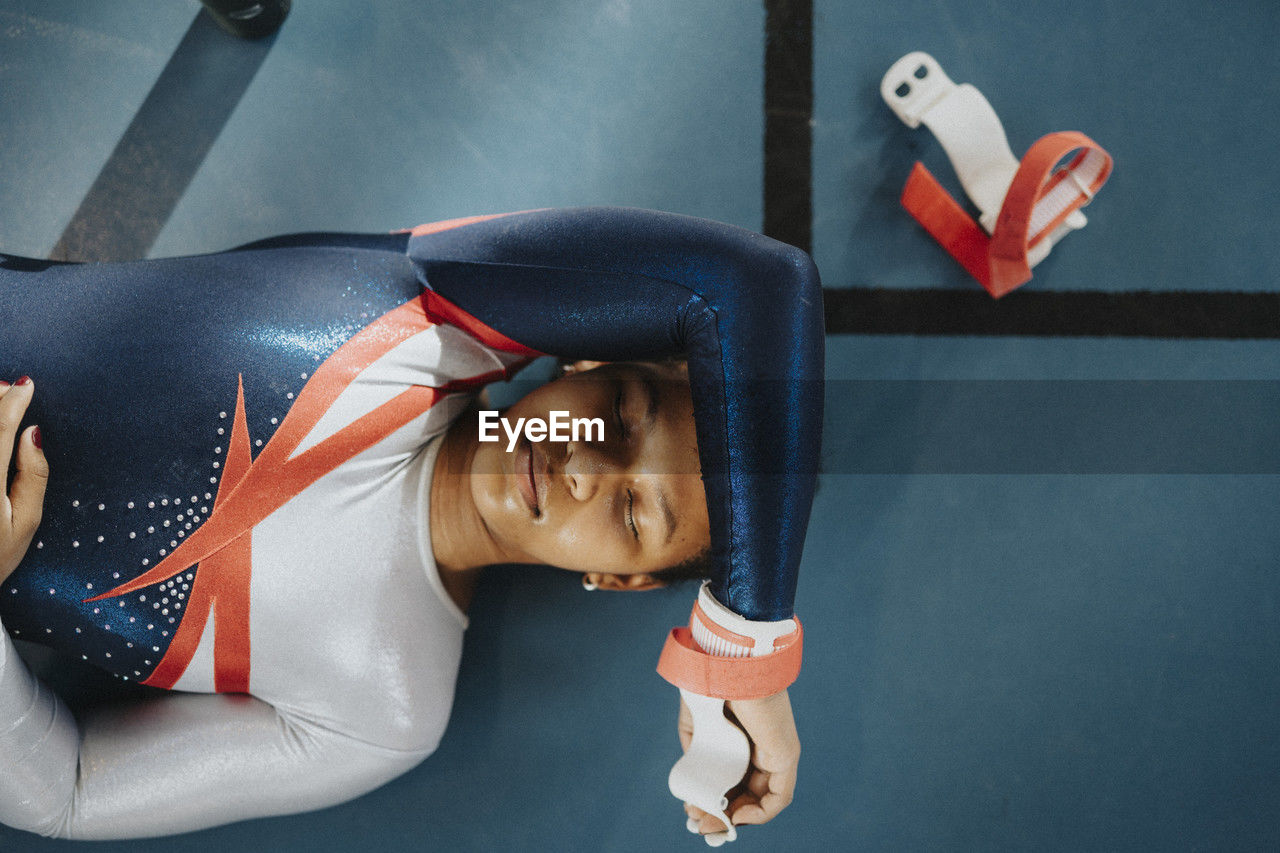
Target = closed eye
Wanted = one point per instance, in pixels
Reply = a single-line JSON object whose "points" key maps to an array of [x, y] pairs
{"points": [[617, 413], [631, 519]]}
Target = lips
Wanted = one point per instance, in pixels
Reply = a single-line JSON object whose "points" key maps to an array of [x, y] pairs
{"points": [[526, 479]]}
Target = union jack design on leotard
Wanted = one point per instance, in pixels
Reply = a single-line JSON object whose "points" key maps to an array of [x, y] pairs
{"points": [[251, 489]]}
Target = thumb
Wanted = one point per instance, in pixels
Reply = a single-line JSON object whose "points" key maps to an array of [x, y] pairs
{"points": [[26, 495]]}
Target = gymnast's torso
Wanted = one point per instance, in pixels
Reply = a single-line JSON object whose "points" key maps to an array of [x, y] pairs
{"points": [[243, 534]]}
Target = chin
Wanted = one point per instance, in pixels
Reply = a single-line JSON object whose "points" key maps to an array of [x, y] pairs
{"points": [[501, 509]]}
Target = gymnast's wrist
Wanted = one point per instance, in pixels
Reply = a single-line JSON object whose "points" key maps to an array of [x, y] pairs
{"points": [[724, 655]]}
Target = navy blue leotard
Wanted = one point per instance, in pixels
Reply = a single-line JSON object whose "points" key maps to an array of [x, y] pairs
{"points": [[140, 365]]}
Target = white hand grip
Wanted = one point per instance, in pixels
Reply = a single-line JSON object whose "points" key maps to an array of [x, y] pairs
{"points": [[716, 761], [964, 122], [912, 85]]}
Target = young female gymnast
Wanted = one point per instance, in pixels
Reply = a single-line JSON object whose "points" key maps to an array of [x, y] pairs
{"points": [[261, 484]]}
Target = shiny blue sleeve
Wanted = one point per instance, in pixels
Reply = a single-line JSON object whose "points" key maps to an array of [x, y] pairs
{"points": [[618, 284]]}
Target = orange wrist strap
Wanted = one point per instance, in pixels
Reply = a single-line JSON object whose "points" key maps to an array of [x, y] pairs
{"points": [[685, 665]]}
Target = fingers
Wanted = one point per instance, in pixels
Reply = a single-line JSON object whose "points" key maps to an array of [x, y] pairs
{"points": [[699, 820], [767, 795], [26, 495], [704, 822], [775, 755], [14, 400], [745, 809], [21, 504]]}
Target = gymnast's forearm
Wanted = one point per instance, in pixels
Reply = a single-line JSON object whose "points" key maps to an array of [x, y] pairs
{"points": [[622, 284], [39, 748], [173, 764]]}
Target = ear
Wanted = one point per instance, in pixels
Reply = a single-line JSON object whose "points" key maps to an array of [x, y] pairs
{"points": [[582, 365], [623, 583]]}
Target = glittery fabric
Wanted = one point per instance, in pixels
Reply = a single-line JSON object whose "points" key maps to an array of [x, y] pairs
{"points": [[353, 644], [136, 368]]}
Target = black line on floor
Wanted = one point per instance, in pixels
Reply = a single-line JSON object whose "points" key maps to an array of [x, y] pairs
{"points": [[788, 216], [156, 158], [1140, 314], [788, 111]]}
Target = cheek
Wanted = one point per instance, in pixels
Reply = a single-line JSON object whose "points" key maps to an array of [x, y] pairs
{"points": [[584, 542], [562, 394], [495, 500], [580, 396]]}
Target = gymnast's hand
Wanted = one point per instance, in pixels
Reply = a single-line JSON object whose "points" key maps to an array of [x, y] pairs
{"points": [[775, 753], [21, 505]]}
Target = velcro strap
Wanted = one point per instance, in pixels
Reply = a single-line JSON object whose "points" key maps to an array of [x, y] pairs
{"points": [[685, 665], [1038, 201]]}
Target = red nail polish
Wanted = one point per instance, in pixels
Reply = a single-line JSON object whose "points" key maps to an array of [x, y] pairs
{"points": [[3, 384], [23, 380], [36, 439]]}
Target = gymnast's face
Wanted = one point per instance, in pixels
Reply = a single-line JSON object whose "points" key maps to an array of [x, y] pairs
{"points": [[627, 505]]}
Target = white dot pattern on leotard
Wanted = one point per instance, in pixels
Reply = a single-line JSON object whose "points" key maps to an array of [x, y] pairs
{"points": [[109, 519]]}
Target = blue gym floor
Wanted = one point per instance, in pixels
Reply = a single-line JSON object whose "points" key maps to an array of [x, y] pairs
{"points": [[1000, 656]]}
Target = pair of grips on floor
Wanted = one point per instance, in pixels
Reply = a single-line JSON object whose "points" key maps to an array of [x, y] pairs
{"points": [[1025, 206]]}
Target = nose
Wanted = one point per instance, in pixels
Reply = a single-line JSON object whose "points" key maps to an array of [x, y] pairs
{"points": [[587, 466]]}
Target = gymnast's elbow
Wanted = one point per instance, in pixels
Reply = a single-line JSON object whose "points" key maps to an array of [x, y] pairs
{"points": [[779, 298], [781, 276]]}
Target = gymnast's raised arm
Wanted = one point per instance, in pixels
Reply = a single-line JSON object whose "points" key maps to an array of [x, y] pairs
{"points": [[622, 284]]}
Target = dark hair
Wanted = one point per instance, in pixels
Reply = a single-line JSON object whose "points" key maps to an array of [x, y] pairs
{"points": [[696, 568]]}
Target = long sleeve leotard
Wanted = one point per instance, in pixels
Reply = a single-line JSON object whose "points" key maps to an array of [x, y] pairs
{"points": [[203, 411]]}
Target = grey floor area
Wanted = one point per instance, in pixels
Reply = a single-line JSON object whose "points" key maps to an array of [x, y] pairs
{"points": [[999, 657]]}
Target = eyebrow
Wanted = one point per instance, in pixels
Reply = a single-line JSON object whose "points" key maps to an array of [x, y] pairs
{"points": [[651, 391], [668, 514]]}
